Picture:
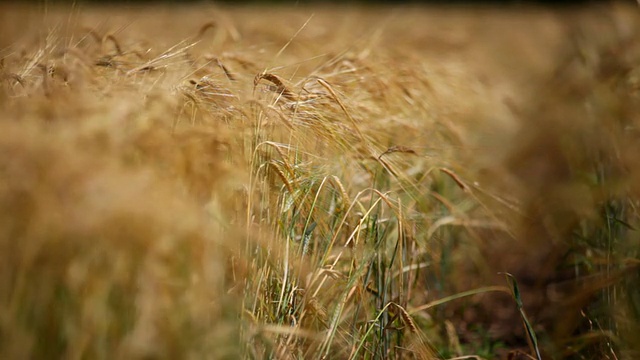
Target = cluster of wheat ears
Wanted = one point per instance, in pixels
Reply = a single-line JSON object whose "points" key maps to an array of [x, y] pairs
{"points": [[319, 182]]}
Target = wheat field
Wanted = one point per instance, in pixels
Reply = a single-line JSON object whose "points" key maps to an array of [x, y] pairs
{"points": [[319, 182]]}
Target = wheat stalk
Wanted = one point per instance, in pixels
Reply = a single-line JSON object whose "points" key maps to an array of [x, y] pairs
{"points": [[280, 87]]}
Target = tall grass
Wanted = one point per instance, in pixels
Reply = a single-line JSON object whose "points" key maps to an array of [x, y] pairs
{"points": [[205, 182]]}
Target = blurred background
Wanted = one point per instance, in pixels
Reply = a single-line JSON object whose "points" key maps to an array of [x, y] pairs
{"points": [[337, 2]]}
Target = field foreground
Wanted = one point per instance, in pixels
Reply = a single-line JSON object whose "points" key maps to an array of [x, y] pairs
{"points": [[319, 183]]}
